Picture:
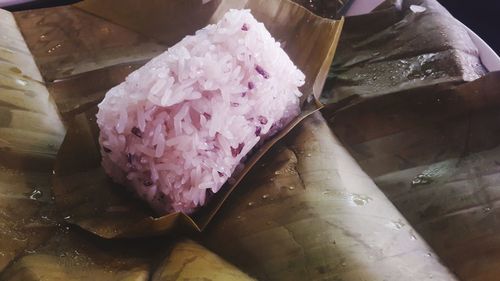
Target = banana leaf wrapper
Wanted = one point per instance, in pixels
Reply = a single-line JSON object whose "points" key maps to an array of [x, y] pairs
{"points": [[30, 134], [83, 192], [397, 47], [309, 40], [308, 212], [333, 9], [73, 255], [66, 41], [435, 154], [191, 261]]}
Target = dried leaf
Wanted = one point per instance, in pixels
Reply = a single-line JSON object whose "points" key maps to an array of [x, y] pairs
{"points": [[435, 154], [308, 39], [332, 9], [191, 261], [399, 47], [308, 212], [75, 256], [82, 190]]}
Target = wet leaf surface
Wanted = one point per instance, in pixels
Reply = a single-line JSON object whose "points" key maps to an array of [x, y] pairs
{"points": [[30, 134], [82, 190], [401, 45], [435, 154]]}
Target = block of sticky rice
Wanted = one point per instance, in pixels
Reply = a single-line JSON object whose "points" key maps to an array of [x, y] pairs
{"points": [[177, 128]]}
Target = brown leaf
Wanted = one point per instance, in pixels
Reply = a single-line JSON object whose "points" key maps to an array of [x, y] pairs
{"points": [[82, 190], [30, 134], [191, 261], [67, 41], [436, 156], [308, 212]]}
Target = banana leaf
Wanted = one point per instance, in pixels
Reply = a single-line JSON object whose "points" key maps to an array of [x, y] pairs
{"points": [[308, 212], [401, 45], [435, 154], [30, 135], [34, 243], [309, 40], [84, 195], [66, 41], [333, 9], [75, 256], [191, 261]]}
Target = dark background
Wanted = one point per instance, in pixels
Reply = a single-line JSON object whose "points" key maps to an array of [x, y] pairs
{"points": [[482, 16]]}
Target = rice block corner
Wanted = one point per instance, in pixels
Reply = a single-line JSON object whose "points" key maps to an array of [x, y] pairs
{"points": [[177, 128]]}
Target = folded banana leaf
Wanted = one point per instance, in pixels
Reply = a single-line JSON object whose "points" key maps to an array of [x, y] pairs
{"points": [[75, 256], [67, 41], [30, 135], [308, 212], [191, 261], [333, 9], [84, 195], [435, 154], [401, 45]]}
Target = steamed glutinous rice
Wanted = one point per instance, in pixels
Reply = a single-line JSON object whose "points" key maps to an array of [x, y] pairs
{"points": [[179, 126]]}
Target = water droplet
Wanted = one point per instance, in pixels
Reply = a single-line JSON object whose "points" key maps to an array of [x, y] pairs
{"points": [[308, 154], [21, 82], [398, 224], [360, 200], [67, 217], [36, 194], [429, 255], [265, 196], [53, 172], [250, 204], [277, 173], [43, 38], [291, 187], [421, 180], [486, 209], [413, 237], [343, 264]]}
